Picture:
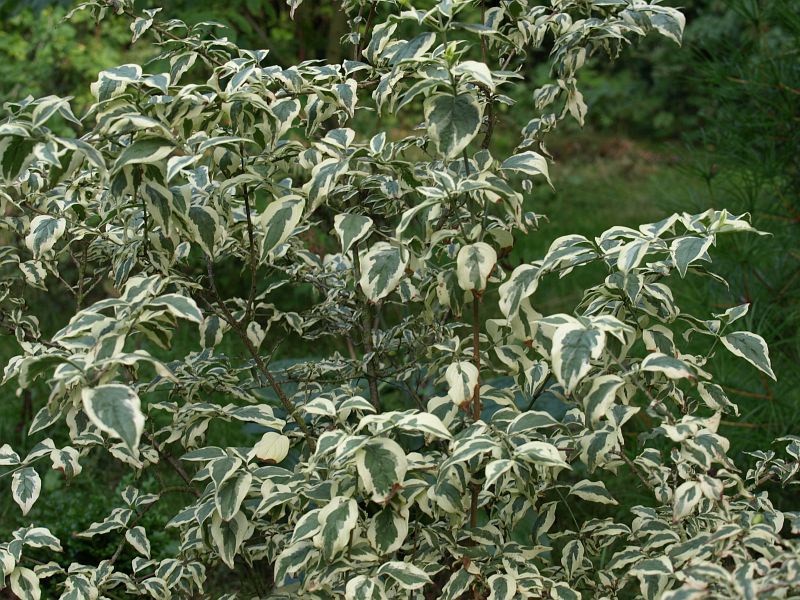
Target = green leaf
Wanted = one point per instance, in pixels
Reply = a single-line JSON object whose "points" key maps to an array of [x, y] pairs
{"points": [[387, 530], [593, 491], [292, 560], [16, 153], [452, 121], [413, 48], [686, 250], [462, 378], [522, 284], [278, 221], [350, 229], [541, 453], [25, 584], [670, 366], [231, 493], [338, 519], [8, 457], [501, 587], [137, 537], [179, 306], [116, 410], [476, 71], [474, 265], [530, 163], [574, 347], [144, 150], [407, 575], [25, 488], [204, 227], [382, 268], [600, 397], [382, 466], [228, 536], [752, 348]]}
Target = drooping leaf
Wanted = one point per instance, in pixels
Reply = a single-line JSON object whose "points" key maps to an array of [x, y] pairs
{"points": [[228, 536], [462, 378], [25, 584], [278, 221], [407, 575], [382, 465], [337, 520], [574, 347], [272, 447], [137, 537], [593, 491], [685, 250], [116, 410], [351, 228], [382, 268], [16, 153], [530, 163], [387, 530], [752, 348], [475, 263], [25, 488]]}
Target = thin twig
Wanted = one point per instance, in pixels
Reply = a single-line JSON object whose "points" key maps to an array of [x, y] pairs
{"points": [[253, 351], [172, 462]]}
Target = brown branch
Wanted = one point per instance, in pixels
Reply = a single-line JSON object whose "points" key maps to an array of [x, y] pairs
{"points": [[476, 353], [172, 462], [366, 333], [366, 30], [476, 397], [634, 468], [248, 314], [260, 365]]}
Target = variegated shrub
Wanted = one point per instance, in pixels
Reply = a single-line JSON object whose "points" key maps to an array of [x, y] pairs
{"points": [[446, 439]]}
